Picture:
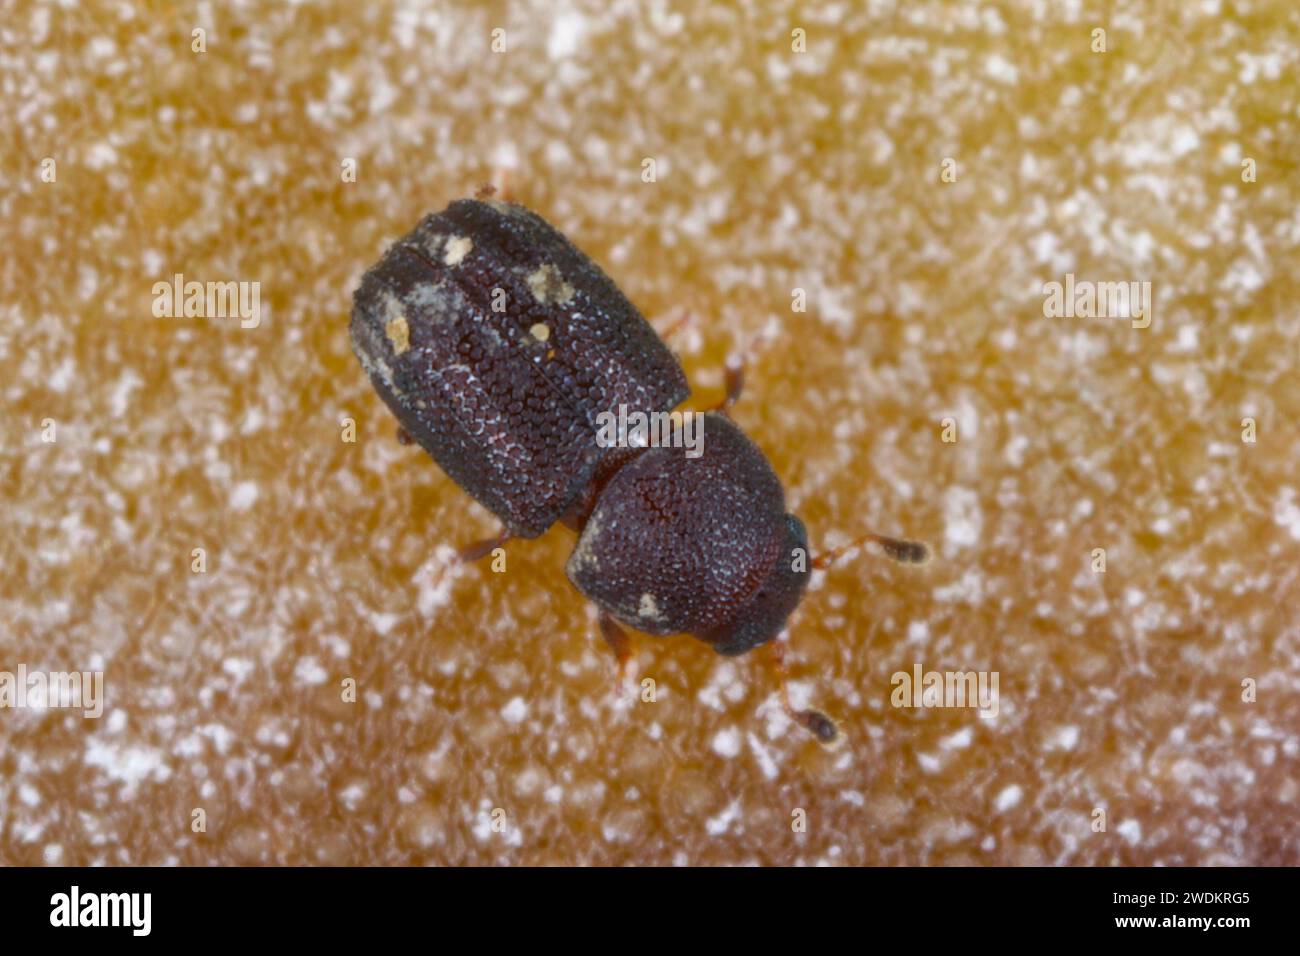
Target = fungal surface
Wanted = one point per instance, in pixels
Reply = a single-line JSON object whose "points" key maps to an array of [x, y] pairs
{"points": [[219, 520]]}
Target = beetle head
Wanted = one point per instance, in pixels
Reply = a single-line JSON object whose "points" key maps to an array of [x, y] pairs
{"points": [[764, 615]]}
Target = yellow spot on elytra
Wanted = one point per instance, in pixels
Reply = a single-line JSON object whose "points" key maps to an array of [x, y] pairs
{"points": [[458, 247], [399, 334], [541, 331]]}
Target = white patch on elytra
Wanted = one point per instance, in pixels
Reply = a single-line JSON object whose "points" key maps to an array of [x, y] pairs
{"points": [[457, 248]]}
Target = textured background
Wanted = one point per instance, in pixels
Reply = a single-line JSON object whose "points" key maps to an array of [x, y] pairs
{"points": [[776, 170]]}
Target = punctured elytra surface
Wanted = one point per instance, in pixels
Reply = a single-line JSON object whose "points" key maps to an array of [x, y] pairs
{"points": [[496, 342]]}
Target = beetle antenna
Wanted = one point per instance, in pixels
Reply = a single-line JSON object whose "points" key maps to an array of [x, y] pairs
{"points": [[824, 730], [675, 324], [898, 549], [822, 727]]}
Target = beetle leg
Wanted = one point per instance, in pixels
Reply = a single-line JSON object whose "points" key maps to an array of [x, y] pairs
{"points": [[481, 549], [824, 730], [621, 645], [735, 379]]}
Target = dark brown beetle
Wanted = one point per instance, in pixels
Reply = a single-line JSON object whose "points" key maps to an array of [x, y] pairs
{"points": [[500, 346]]}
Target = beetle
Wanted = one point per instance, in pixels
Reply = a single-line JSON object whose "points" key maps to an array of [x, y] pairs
{"points": [[499, 345]]}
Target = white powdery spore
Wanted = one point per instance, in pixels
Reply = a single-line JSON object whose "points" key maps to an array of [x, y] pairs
{"points": [[434, 580], [963, 520], [514, 711], [309, 671], [764, 756], [1130, 830], [1063, 738], [1008, 798], [1286, 513], [723, 821], [129, 765], [243, 495], [567, 31], [958, 741], [726, 743]]}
